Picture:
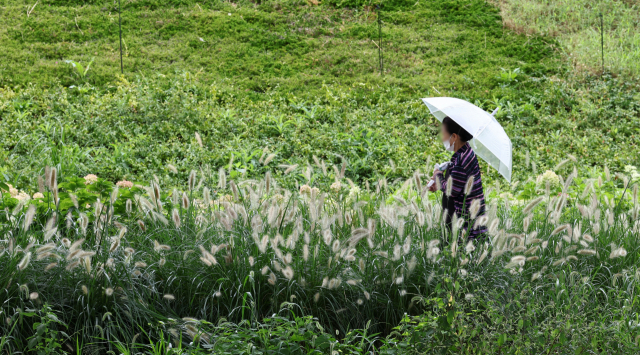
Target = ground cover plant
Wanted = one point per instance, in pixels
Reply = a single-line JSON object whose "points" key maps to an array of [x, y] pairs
{"points": [[577, 26], [299, 78], [290, 45], [254, 185], [127, 265], [138, 129]]}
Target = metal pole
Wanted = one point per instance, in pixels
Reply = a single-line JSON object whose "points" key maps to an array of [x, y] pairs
{"points": [[120, 26], [602, 40], [380, 41]]}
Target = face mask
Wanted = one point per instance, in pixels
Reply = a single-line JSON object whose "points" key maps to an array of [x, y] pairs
{"points": [[447, 145]]}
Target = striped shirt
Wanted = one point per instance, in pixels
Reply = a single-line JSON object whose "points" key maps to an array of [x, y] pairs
{"points": [[464, 164]]}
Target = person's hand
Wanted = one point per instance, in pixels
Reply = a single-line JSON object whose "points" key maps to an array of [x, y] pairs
{"points": [[433, 188]]}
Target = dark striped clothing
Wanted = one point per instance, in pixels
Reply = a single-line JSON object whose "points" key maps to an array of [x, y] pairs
{"points": [[463, 165]]}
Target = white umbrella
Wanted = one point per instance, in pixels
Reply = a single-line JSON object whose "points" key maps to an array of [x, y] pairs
{"points": [[490, 142]]}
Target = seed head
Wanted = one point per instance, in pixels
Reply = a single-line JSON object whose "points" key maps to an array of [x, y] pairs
{"points": [[185, 201], [53, 178], [114, 245], [468, 187], [618, 252], [483, 256], [493, 227], [25, 261], [50, 266], [28, 219], [272, 279], [192, 180], [72, 265], [305, 252], [268, 159], [587, 252], [288, 272], [156, 193], [560, 229], [559, 261], [222, 178], [336, 246], [175, 216], [449, 186], [474, 208]]}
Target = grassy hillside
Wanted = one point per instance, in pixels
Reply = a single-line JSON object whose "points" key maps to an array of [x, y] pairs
{"points": [[291, 45], [297, 79], [577, 25], [270, 176]]}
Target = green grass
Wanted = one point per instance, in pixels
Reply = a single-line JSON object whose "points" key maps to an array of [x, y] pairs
{"points": [[287, 45], [133, 130], [296, 79], [301, 82], [278, 251], [577, 26]]}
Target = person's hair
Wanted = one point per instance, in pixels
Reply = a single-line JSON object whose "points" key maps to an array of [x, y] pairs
{"points": [[452, 127]]}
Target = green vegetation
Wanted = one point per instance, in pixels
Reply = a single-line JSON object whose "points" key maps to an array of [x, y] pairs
{"points": [[253, 104], [288, 46], [315, 91], [577, 26], [131, 265], [135, 129]]}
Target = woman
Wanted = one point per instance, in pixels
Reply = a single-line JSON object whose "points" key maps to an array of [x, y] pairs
{"points": [[461, 183]]}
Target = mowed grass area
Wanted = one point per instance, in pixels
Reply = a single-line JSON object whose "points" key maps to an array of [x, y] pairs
{"points": [[288, 45], [577, 25]]}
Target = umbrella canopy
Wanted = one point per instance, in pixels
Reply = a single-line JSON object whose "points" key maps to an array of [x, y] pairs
{"points": [[490, 142]]}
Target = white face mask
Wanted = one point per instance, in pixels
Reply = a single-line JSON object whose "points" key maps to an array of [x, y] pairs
{"points": [[448, 145]]}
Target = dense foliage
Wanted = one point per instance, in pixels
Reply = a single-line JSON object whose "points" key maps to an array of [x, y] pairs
{"points": [[136, 129], [304, 226], [296, 79], [590, 32], [138, 263]]}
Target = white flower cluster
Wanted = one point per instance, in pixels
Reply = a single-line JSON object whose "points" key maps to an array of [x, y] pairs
{"points": [[308, 190], [20, 195], [633, 173], [548, 177], [90, 179]]}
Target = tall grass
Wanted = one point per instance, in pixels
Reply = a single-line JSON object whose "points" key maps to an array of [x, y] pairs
{"points": [[151, 260], [577, 25]]}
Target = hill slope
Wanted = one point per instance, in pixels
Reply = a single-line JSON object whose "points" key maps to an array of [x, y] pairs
{"points": [[301, 80]]}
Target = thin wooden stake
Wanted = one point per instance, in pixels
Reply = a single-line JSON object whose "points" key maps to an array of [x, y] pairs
{"points": [[602, 40], [380, 41], [120, 26]]}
